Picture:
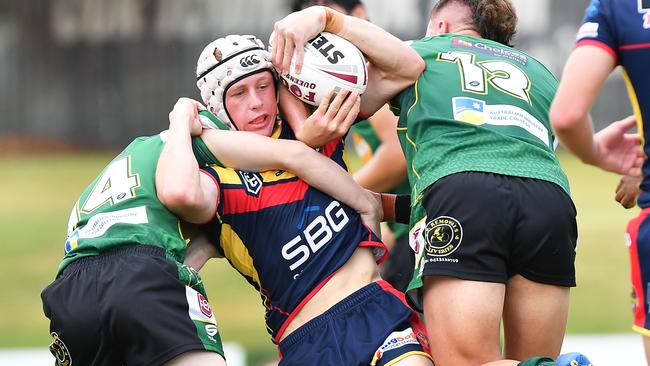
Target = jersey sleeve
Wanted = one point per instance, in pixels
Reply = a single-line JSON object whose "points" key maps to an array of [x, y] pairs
{"points": [[203, 154], [201, 151], [598, 28]]}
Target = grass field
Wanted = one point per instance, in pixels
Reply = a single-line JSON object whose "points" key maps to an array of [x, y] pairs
{"points": [[37, 193]]}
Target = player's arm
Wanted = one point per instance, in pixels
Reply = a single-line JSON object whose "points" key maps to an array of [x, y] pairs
{"points": [[393, 65], [387, 167], [180, 185], [252, 152], [611, 149]]}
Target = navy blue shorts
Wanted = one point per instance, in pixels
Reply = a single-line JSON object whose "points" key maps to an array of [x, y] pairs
{"points": [[373, 326]]}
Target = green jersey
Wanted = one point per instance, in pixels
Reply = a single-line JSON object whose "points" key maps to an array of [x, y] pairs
{"points": [[121, 207], [366, 143], [478, 106]]}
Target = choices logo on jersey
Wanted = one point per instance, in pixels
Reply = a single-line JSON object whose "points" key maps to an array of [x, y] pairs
{"points": [[252, 181], [644, 6], [442, 236]]}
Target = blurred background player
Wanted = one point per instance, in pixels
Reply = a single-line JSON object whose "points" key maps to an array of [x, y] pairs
{"points": [[384, 166], [614, 33]]}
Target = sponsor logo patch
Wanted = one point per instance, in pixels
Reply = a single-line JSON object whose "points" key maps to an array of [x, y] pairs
{"points": [[468, 110], [249, 60], [211, 329], [485, 49], [60, 351], [442, 236], [393, 341]]}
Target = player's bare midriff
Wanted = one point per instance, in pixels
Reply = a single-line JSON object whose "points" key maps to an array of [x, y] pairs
{"points": [[359, 271]]}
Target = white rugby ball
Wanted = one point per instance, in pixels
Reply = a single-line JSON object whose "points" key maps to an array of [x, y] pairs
{"points": [[330, 62]]}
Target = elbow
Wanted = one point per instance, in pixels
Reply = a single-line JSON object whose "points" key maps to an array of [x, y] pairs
{"points": [[295, 154], [176, 198], [563, 119], [418, 66]]}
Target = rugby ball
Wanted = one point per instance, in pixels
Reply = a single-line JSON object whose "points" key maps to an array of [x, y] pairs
{"points": [[330, 62]]}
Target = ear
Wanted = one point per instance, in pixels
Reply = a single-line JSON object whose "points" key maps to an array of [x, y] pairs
{"points": [[359, 11], [437, 27]]}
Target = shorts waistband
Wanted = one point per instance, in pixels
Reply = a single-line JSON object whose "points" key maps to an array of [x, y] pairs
{"points": [[356, 298], [126, 250]]}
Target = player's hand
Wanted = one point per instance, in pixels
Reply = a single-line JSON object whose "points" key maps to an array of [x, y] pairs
{"points": [[330, 121], [290, 35], [628, 190], [373, 213], [618, 151], [186, 111]]}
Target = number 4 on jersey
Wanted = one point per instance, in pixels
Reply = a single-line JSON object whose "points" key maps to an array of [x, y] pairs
{"points": [[115, 185]]}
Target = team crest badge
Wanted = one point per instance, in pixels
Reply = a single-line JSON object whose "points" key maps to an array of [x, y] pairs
{"points": [[442, 236], [204, 305], [60, 351], [252, 181]]}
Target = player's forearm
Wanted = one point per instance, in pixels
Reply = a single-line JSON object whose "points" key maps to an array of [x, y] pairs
{"points": [[178, 181], [325, 175], [577, 136], [385, 171], [393, 64], [386, 52]]}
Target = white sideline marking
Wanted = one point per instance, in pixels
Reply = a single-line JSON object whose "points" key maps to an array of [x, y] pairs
{"points": [[602, 350], [607, 349], [39, 356]]}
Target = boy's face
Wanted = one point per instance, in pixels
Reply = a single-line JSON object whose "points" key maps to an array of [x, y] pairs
{"points": [[252, 105]]}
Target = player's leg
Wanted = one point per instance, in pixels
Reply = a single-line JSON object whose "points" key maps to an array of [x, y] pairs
{"points": [[192, 358], [541, 269], [534, 318], [466, 240], [463, 320], [155, 332]]}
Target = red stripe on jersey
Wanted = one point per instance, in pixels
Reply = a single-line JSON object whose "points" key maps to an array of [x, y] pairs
{"points": [[634, 46], [376, 244], [330, 148], [599, 44], [236, 200]]}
